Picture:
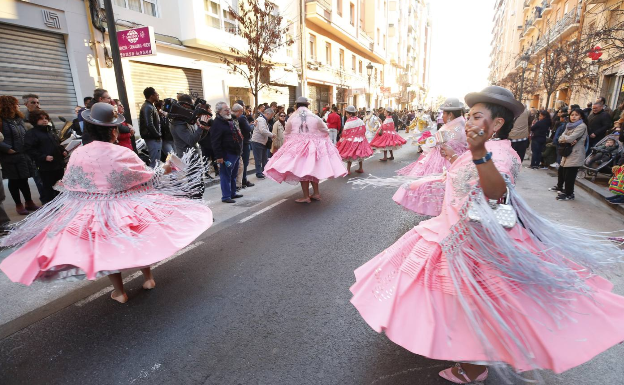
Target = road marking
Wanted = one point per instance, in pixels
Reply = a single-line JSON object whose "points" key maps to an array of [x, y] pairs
{"points": [[252, 216], [135, 275]]}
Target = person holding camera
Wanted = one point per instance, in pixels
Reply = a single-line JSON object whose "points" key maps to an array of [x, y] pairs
{"points": [[149, 125], [205, 122], [227, 145], [186, 136]]}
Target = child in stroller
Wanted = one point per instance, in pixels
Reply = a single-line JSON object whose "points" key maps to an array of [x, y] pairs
{"points": [[602, 155]]}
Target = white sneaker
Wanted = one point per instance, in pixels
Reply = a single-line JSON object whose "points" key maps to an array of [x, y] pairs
{"points": [[555, 165]]}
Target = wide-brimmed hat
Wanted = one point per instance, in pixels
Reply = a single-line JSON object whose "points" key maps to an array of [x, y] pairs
{"points": [[302, 100], [351, 109], [496, 95], [103, 114], [452, 104]]}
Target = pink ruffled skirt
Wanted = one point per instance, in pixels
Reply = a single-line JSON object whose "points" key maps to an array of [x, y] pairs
{"points": [[389, 140], [353, 145], [407, 292], [305, 158]]}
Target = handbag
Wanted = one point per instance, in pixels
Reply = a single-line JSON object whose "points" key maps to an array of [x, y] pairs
{"points": [[565, 149], [504, 213]]}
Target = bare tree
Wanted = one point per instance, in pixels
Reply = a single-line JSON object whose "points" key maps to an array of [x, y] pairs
{"points": [[260, 25]]}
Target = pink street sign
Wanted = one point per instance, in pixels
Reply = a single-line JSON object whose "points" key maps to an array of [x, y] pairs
{"points": [[136, 42]]}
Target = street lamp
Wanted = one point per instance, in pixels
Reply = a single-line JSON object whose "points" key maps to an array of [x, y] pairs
{"points": [[524, 61], [369, 72]]}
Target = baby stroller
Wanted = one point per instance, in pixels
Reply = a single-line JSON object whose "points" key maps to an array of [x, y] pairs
{"points": [[593, 166]]}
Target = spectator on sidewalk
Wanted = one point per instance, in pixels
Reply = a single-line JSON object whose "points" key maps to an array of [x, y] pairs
{"points": [[227, 144], [149, 125], [278, 132], [572, 146], [539, 133], [246, 130], [165, 130], [186, 136], [100, 95], [519, 134], [259, 138], [333, 123], [43, 146], [17, 166], [32, 103], [599, 122], [126, 131]]}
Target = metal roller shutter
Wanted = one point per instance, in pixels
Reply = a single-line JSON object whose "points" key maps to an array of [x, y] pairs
{"points": [[33, 61], [168, 81]]}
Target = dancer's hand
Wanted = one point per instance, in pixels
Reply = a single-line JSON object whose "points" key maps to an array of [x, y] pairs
{"points": [[476, 137]]}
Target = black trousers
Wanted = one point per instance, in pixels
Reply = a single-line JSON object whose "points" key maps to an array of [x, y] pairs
{"points": [[521, 148], [537, 147], [19, 185], [566, 177], [49, 179]]}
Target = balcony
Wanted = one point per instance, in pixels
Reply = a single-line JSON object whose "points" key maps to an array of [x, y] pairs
{"points": [[527, 5], [546, 8], [596, 1], [562, 29], [322, 8]]}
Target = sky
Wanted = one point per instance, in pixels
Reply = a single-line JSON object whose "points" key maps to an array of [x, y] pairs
{"points": [[460, 52]]}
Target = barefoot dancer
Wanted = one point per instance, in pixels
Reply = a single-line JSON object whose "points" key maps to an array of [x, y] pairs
{"points": [[113, 214], [387, 139], [353, 146], [307, 156]]}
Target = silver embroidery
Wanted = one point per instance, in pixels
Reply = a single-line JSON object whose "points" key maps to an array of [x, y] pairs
{"points": [[76, 177], [463, 181], [124, 179]]}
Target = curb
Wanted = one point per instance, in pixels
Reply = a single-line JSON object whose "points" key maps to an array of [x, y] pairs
{"points": [[598, 192]]}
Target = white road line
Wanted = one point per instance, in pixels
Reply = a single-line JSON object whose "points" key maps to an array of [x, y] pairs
{"points": [[252, 216], [134, 275]]}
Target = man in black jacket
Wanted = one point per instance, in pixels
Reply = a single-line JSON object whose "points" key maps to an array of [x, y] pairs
{"points": [[238, 111], [227, 145], [599, 122], [149, 125]]}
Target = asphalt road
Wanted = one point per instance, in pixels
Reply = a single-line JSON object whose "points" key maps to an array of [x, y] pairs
{"points": [[260, 302]]}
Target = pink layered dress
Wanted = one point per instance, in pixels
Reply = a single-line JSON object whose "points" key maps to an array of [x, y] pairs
{"points": [[461, 290], [353, 145], [113, 214], [389, 138], [427, 199], [308, 155]]}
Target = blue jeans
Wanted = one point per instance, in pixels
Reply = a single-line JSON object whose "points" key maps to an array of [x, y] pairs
{"points": [[154, 147], [537, 147], [260, 157], [167, 146], [245, 155], [228, 176]]}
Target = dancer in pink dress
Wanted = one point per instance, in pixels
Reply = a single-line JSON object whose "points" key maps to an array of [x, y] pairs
{"points": [[492, 282], [353, 145], [427, 199], [308, 155], [113, 214], [387, 139]]}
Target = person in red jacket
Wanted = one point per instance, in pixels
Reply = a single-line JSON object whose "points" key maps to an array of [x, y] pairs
{"points": [[124, 139], [333, 123]]}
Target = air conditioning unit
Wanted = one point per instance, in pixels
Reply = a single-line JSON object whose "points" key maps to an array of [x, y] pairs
{"points": [[520, 28]]}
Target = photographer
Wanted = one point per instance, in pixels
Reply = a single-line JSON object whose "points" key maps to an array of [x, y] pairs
{"points": [[186, 135], [205, 144]]}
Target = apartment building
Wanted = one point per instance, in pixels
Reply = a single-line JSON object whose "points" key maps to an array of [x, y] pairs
{"points": [[60, 49], [522, 30]]}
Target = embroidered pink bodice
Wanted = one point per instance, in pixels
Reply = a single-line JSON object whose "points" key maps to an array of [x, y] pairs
{"points": [[103, 168], [354, 130], [304, 122]]}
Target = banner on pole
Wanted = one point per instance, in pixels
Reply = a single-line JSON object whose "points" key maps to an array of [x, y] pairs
{"points": [[137, 42]]}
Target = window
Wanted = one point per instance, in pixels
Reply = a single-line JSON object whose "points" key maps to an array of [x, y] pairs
{"points": [[312, 47], [378, 36], [362, 18], [218, 16], [360, 65], [328, 54], [384, 41], [353, 63], [341, 59], [147, 7], [339, 6], [352, 13], [381, 76]]}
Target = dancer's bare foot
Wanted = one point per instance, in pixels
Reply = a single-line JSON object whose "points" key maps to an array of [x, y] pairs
{"points": [[303, 200], [383, 159], [359, 171], [316, 197], [121, 298], [149, 284]]}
